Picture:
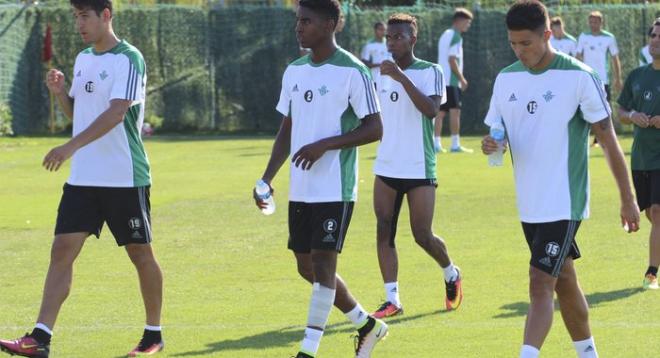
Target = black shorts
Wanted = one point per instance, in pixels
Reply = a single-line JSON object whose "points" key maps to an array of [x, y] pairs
{"points": [[647, 187], [402, 186], [127, 211], [607, 92], [318, 226], [453, 99], [550, 244]]}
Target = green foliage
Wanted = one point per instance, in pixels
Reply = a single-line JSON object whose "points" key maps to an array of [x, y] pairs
{"points": [[5, 120]]}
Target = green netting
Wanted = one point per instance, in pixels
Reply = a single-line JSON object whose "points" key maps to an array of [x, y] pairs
{"points": [[221, 68]]}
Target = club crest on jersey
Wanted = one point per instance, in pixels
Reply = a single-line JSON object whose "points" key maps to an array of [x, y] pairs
{"points": [[394, 96], [648, 95], [531, 107], [548, 96], [89, 87], [323, 90], [103, 75], [309, 96]]}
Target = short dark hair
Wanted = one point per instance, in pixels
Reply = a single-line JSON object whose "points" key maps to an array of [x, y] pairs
{"points": [[462, 13], [527, 15], [402, 18], [556, 21], [328, 8], [379, 23], [97, 5]]}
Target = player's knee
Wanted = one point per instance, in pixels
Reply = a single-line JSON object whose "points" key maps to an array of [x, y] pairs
{"points": [[62, 252], [653, 214], [140, 255], [540, 284], [423, 236]]}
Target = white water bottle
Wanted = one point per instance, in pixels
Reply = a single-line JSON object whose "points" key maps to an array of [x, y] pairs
{"points": [[495, 159], [263, 192], [386, 82]]}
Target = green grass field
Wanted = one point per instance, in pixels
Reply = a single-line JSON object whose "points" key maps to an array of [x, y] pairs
{"points": [[231, 287]]}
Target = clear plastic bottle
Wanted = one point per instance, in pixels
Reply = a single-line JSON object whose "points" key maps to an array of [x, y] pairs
{"points": [[263, 192], [386, 82], [495, 159]]}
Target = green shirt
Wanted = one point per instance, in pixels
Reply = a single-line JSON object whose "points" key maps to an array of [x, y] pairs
{"points": [[641, 93]]}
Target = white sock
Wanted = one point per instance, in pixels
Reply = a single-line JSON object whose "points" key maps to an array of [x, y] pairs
{"points": [[455, 141], [586, 348], [44, 328], [311, 342], [438, 142], [392, 292], [153, 328], [450, 272], [529, 352], [358, 316], [320, 305]]}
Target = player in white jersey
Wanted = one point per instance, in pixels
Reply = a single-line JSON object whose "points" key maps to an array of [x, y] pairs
{"points": [[450, 57], [595, 49], [547, 102], [109, 179], [329, 106], [405, 163], [375, 52], [560, 39], [645, 57]]}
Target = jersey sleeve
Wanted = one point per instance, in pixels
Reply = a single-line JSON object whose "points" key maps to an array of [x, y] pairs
{"points": [[592, 98], [494, 115], [580, 45], [613, 47], [362, 94], [642, 58], [626, 97], [129, 82], [434, 83], [364, 55], [284, 104], [455, 45]]}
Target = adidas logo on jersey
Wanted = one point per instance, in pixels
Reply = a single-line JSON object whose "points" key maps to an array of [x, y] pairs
{"points": [[295, 88], [513, 98], [328, 238], [79, 73]]}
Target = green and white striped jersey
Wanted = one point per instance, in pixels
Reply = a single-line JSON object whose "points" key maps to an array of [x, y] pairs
{"points": [[596, 51], [324, 100], [547, 116], [450, 44], [117, 159], [406, 150]]}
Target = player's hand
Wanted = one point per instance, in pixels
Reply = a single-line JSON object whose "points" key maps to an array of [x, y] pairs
{"points": [[464, 84], [257, 201], [490, 145], [55, 81], [306, 156], [630, 216], [58, 155], [391, 69], [640, 119], [655, 121]]}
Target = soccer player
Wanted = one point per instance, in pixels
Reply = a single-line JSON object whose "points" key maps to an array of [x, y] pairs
{"points": [[560, 39], [450, 57], [405, 163], [639, 103], [110, 176], [645, 57], [374, 52], [548, 101], [330, 107]]}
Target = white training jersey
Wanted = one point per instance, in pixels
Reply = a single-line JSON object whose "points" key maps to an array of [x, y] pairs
{"points": [[566, 44], [117, 159], [596, 51], [406, 149], [645, 57], [547, 117], [325, 100], [450, 44], [375, 52]]}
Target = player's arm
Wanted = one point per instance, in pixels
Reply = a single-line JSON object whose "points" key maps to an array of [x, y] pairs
{"points": [[101, 125], [639, 119], [280, 151], [56, 85], [453, 64], [616, 63], [369, 130], [604, 131]]}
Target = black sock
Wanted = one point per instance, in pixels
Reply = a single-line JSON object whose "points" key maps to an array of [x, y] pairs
{"points": [[150, 338], [40, 336], [652, 270]]}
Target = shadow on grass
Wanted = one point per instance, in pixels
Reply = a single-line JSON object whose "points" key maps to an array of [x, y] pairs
{"points": [[518, 309], [286, 336]]}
